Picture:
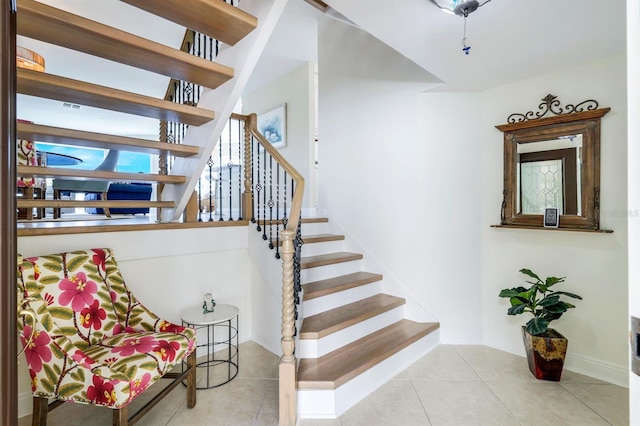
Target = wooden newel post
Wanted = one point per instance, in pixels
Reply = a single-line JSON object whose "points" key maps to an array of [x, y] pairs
{"points": [[288, 364]]}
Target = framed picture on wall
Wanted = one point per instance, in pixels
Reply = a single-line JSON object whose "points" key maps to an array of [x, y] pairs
{"points": [[273, 126], [551, 218]]}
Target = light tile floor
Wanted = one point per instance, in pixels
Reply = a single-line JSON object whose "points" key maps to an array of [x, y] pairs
{"points": [[453, 385]]}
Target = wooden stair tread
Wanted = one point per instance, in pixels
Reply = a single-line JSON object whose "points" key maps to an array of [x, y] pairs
{"points": [[321, 238], [317, 238], [36, 171], [336, 368], [214, 18], [328, 322], [51, 86], [49, 134], [333, 285], [93, 203], [328, 259], [314, 220], [49, 24]]}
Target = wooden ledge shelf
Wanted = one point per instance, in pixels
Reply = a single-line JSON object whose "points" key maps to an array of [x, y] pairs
{"points": [[541, 228]]}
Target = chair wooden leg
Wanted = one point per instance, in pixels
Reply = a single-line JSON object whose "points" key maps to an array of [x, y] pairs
{"points": [[40, 410], [121, 416], [106, 210], [191, 380]]}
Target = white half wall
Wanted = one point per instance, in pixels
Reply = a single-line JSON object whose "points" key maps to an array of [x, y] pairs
{"points": [[594, 264], [297, 90], [633, 162], [168, 271]]}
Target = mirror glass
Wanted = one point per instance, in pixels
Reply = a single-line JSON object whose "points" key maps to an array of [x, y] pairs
{"points": [[548, 175]]}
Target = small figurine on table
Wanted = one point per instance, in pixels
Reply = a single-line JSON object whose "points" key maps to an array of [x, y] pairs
{"points": [[208, 304]]}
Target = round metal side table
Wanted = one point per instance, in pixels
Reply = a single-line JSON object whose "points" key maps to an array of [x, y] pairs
{"points": [[222, 343]]}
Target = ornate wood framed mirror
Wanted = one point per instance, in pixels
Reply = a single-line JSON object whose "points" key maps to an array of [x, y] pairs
{"points": [[553, 162]]}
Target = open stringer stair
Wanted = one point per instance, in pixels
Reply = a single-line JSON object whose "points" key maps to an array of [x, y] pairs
{"points": [[353, 338], [243, 32]]}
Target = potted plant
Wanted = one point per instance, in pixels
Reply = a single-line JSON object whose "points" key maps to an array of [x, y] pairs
{"points": [[545, 347]]}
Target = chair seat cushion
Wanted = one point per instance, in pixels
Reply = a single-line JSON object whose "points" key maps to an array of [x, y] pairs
{"points": [[136, 359]]}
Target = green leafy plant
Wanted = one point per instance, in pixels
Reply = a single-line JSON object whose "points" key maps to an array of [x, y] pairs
{"points": [[545, 305]]}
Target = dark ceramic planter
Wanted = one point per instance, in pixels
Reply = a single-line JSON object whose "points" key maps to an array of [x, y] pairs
{"points": [[545, 354]]}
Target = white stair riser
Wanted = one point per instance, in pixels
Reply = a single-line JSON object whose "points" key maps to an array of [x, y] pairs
{"points": [[330, 271], [315, 348], [330, 404], [315, 228], [312, 249], [334, 300]]}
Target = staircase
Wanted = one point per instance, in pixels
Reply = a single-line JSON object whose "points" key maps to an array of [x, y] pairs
{"points": [[353, 338], [213, 17]]}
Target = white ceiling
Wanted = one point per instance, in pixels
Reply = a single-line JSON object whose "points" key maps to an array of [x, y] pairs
{"points": [[510, 40]]}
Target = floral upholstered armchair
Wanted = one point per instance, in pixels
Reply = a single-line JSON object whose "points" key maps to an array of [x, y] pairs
{"points": [[92, 341]]}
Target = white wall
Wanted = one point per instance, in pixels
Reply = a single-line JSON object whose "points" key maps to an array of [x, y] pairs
{"points": [[633, 142], [388, 178], [297, 90], [168, 271], [386, 161], [595, 264]]}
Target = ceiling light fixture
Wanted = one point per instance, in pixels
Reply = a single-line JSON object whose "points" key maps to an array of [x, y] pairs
{"points": [[26, 58], [461, 8]]}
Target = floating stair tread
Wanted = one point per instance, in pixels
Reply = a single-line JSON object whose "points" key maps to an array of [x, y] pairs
{"points": [[36, 171], [64, 89], [328, 322], [93, 203], [49, 24], [214, 18], [338, 367], [58, 135], [328, 259], [333, 285]]}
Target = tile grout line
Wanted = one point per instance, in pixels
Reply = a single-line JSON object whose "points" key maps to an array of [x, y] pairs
{"points": [[487, 386], [413, 386], [584, 403]]}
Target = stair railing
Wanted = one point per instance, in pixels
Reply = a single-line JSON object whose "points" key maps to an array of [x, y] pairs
{"points": [[265, 197]]}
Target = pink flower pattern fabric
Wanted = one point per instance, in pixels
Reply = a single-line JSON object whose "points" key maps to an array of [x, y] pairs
{"points": [[92, 335]]}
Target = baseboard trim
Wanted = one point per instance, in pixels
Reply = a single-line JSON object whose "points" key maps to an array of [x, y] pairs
{"points": [[25, 404], [612, 373]]}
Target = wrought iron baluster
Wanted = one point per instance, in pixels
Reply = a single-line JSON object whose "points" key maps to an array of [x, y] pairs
{"points": [[200, 199], [285, 220], [241, 167], [258, 185], [270, 202], [297, 287], [210, 164], [220, 218], [264, 196], [277, 210], [230, 167]]}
